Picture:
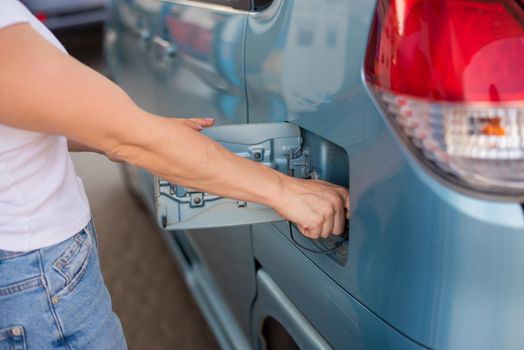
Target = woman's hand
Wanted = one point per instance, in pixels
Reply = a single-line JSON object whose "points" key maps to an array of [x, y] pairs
{"points": [[318, 208]]}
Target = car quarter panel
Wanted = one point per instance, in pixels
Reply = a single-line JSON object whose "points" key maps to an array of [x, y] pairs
{"points": [[340, 319], [442, 267]]}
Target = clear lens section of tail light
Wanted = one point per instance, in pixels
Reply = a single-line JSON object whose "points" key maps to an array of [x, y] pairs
{"points": [[481, 145], [449, 76]]}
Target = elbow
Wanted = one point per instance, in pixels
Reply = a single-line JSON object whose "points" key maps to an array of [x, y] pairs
{"points": [[121, 153]]}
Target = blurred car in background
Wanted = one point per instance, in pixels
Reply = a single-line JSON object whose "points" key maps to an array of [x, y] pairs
{"points": [[60, 15], [416, 105]]}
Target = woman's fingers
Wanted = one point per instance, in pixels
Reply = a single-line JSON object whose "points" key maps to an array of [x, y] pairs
{"points": [[329, 219], [197, 124], [314, 232], [312, 227], [339, 224], [203, 122], [303, 230], [347, 203]]}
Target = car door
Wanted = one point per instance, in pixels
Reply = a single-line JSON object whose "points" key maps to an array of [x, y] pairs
{"points": [[196, 55]]}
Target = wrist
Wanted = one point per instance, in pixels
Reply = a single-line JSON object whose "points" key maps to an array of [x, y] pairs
{"points": [[277, 193], [269, 191]]}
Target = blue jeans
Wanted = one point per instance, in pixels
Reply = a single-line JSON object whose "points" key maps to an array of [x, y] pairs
{"points": [[55, 298]]}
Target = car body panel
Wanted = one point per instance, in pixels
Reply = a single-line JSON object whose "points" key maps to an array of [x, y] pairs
{"points": [[273, 305], [127, 50], [440, 266], [343, 322], [217, 312]]}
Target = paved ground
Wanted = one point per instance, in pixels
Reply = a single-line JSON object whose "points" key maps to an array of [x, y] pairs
{"points": [[148, 291]]}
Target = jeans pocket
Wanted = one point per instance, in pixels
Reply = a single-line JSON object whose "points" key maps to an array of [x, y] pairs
{"points": [[12, 338], [73, 262]]}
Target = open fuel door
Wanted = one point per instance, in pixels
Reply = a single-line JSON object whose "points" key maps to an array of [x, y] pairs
{"points": [[277, 145]]}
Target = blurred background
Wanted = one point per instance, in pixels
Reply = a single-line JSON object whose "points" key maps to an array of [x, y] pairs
{"points": [[147, 288]]}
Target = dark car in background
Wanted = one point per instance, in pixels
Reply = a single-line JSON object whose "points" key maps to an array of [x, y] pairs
{"points": [[60, 15]]}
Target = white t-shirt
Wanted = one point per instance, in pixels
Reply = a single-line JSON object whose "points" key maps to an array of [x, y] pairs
{"points": [[42, 201]]}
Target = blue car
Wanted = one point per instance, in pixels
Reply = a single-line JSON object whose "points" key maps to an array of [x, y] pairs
{"points": [[416, 105]]}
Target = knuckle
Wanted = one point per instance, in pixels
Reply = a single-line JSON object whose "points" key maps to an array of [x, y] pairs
{"points": [[328, 210], [340, 201], [317, 220], [335, 197]]}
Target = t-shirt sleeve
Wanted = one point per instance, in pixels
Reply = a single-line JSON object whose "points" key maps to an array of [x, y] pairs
{"points": [[10, 13]]}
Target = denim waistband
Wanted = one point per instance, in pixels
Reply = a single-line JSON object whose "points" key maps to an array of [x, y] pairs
{"points": [[6, 254]]}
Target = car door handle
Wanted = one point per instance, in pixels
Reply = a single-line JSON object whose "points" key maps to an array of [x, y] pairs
{"points": [[141, 33], [144, 34], [167, 47]]}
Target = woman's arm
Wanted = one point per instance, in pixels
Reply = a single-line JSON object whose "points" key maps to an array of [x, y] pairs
{"points": [[197, 124], [45, 90]]}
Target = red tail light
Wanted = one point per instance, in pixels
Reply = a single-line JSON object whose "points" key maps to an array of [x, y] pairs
{"points": [[450, 76]]}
